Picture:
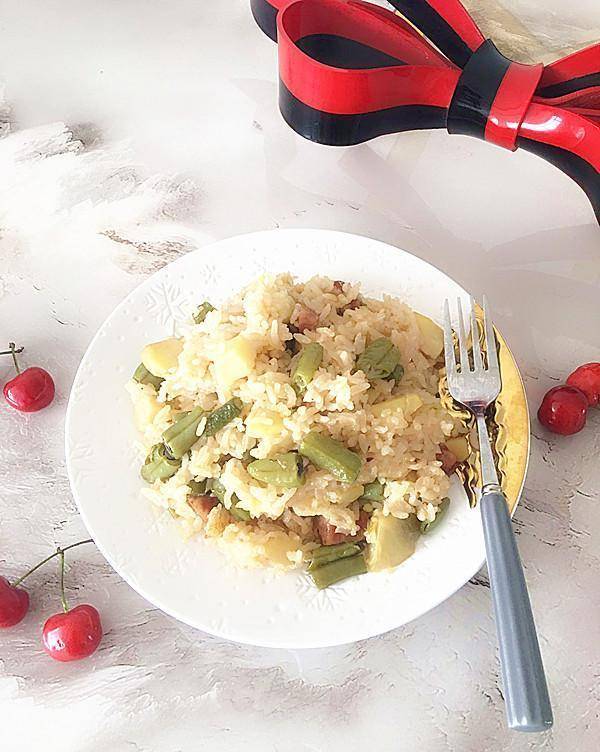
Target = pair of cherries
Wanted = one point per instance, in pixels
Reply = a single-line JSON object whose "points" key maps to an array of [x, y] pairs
{"points": [[564, 408], [75, 633], [68, 636]]}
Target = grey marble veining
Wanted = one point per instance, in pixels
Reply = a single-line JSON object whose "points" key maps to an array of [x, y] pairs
{"points": [[129, 138]]}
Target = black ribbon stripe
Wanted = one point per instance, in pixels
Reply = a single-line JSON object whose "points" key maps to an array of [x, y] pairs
{"points": [[476, 90], [346, 130], [265, 16], [570, 86], [438, 30], [582, 172], [340, 52]]}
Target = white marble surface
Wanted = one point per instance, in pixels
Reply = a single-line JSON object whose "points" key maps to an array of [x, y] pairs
{"points": [[136, 131]]}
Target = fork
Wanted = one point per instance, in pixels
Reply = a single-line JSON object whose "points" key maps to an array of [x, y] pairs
{"points": [[526, 693]]}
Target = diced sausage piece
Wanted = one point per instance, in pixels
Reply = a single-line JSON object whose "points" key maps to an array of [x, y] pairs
{"points": [[202, 505], [327, 532], [292, 346], [338, 285], [352, 305], [307, 318], [363, 520], [448, 460], [362, 523]]}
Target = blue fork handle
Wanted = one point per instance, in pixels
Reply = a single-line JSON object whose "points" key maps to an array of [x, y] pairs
{"points": [[526, 692]]}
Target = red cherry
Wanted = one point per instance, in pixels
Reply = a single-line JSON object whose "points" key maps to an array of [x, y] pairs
{"points": [[563, 410], [14, 604], [73, 634], [30, 390], [587, 378]]}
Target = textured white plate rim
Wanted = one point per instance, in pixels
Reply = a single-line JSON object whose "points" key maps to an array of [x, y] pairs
{"points": [[225, 632]]}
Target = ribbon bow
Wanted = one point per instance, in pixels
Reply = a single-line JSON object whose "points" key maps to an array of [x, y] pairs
{"points": [[350, 71]]}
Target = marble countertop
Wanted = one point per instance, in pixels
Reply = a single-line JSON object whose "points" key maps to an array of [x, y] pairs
{"points": [[136, 131]]}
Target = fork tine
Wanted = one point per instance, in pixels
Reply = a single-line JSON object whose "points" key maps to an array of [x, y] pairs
{"points": [[462, 341], [477, 359], [449, 342], [490, 339]]}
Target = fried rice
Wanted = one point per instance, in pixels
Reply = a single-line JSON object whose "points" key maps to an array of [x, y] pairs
{"points": [[275, 317]]}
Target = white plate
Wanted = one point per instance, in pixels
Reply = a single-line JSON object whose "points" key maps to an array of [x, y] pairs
{"points": [[191, 580]]}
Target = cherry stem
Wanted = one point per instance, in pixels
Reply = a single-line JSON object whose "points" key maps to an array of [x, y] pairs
{"points": [[63, 597], [13, 350], [58, 552]]}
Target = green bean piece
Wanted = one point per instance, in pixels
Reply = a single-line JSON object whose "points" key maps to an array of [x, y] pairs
{"points": [[328, 454], [197, 487], [306, 366], [379, 359], [283, 470], [216, 488], [340, 569], [158, 466], [373, 491], [397, 374], [181, 436], [242, 515], [223, 415], [427, 526], [201, 312], [327, 554], [143, 376]]}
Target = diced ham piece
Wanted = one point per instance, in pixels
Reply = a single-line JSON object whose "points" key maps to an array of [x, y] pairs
{"points": [[327, 532], [202, 505], [338, 285], [307, 318], [448, 460]]}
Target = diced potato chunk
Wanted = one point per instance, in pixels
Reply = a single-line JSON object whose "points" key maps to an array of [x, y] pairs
{"points": [[145, 406], [407, 403], [432, 336], [350, 492], [161, 357], [281, 550], [459, 447], [391, 541], [264, 425], [236, 362]]}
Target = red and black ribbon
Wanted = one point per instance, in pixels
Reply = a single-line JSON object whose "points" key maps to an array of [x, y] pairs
{"points": [[350, 71]]}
